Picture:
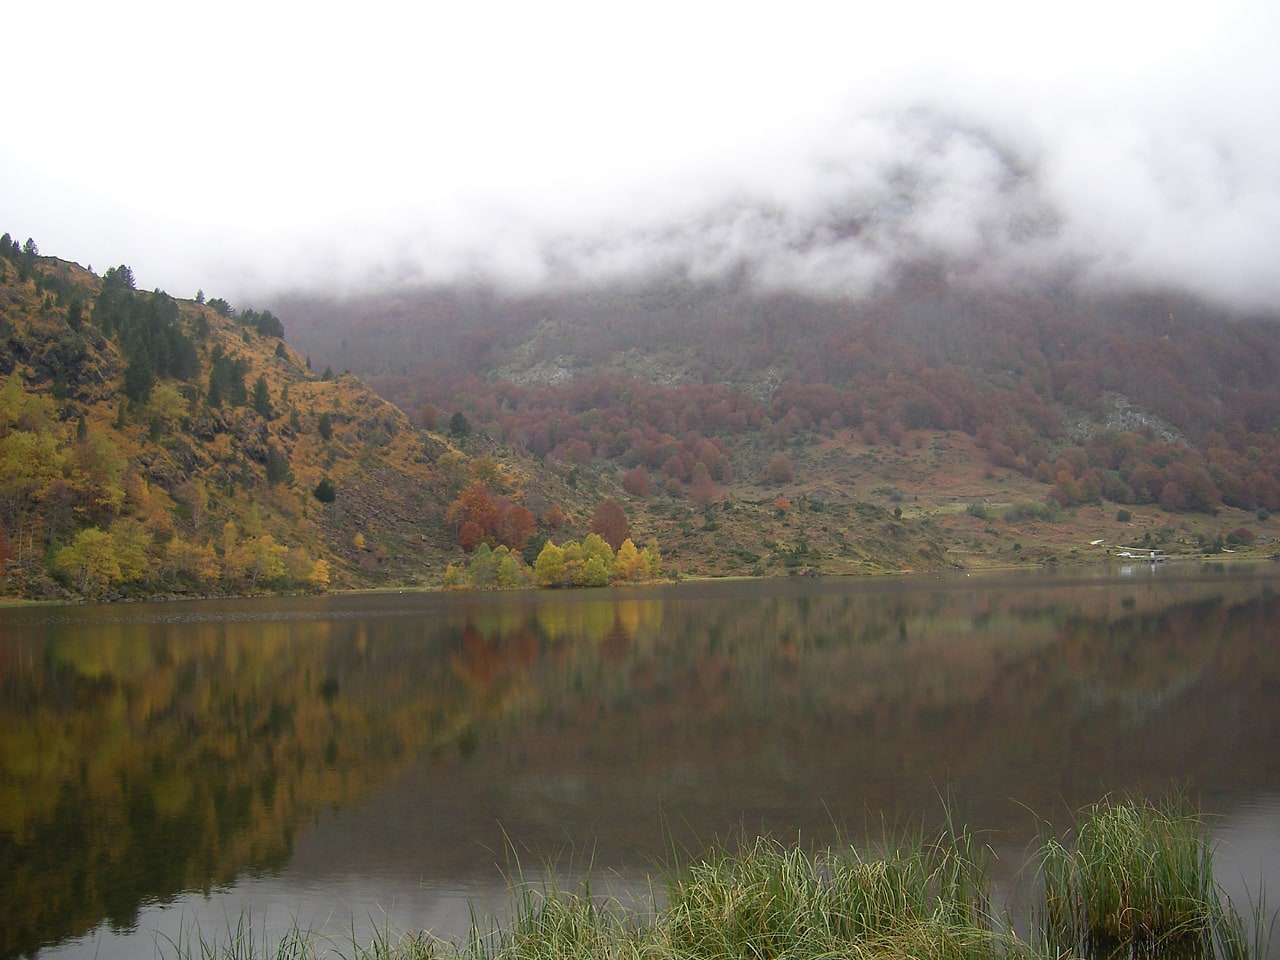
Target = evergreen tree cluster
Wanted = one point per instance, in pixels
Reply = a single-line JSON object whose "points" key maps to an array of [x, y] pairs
{"points": [[149, 331], [23, 256], [226, 379], [265, 323]]}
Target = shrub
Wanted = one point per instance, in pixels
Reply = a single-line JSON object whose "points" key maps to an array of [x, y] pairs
{"points": [[1050, 511], [325, 491]]}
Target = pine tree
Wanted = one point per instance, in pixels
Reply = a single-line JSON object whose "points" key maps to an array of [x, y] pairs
{"points": [[262, 398]]}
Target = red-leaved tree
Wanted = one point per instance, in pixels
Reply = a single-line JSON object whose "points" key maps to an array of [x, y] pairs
{"points": [[610, 522]]}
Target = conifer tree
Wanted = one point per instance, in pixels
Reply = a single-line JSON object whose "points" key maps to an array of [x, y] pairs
{"points": [[262, 398]]}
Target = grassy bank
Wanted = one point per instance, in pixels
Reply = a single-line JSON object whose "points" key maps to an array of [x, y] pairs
{"points": [[1130, 879]]}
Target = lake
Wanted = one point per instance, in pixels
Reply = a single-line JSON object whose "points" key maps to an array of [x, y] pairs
{"points": [[388, 760]]}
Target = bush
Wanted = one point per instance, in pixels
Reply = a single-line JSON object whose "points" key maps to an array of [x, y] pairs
{"points": [[1050, 511], [459, 425], [1123, 516], [325, 491]]}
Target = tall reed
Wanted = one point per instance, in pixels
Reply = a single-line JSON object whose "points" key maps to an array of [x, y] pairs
{"points": [[1137, 877], [921, 899]]}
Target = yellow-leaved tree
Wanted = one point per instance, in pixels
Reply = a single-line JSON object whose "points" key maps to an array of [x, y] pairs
{"points": [[318, 579], [630, 563], [90, 560], [549, 569]]}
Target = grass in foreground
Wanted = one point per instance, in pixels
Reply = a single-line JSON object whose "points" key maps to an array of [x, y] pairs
{"points": [[1133, 879], [1138, 880]]}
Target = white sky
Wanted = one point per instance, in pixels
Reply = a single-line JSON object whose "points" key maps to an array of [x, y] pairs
{"points": [[244, 146]]}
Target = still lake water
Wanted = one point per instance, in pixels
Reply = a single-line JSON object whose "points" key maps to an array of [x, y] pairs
{"points": [[382, 761]]}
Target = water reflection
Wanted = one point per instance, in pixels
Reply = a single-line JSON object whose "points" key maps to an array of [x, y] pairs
{"points": [[356, 753]]}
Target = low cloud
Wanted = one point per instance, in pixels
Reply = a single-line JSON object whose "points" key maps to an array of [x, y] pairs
{"points": [[816, 150], [1106, 205]]}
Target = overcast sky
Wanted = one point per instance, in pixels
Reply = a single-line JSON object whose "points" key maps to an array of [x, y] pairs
{"points": [[241, 147]]}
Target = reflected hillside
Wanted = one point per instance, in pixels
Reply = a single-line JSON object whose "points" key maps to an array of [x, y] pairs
{"points": [[157, 749], [143, 758], [793, 712]]}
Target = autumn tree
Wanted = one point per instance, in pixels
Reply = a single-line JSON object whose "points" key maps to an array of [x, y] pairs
{"points": [[255, 560], [592, 563], [636, 481], [779, 470], [512, 572], [132, 542], [473, 514], [702, 489], [573, 561], [630, 563], [195, 564], [594, 545], [318, 579], [548, 569], [595, 572], [653, 558], [610, 522], [90, 560], [514, 524]]}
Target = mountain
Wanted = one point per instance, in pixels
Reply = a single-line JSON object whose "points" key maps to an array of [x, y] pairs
{"points": [[943, 393]]}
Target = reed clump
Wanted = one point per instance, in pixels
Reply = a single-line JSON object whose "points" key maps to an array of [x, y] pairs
{"points": [[768, 901], [1136, 878]]}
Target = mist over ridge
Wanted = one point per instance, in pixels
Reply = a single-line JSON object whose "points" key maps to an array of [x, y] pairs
{"points": [[904, 188], [811, 150]]}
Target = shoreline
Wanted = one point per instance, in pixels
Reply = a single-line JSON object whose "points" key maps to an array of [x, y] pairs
{"points": [[7, 602]]}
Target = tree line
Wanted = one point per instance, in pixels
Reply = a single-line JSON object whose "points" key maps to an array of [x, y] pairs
{"points": [[589, 562]]}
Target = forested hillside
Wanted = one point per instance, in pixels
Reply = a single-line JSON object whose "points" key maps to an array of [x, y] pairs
{"points": [[1135, 399], [150, 445]]}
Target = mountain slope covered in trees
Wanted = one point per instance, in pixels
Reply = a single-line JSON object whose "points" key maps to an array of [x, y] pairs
{"points": [[701, 396], [1137, 398], [150, 445]]}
